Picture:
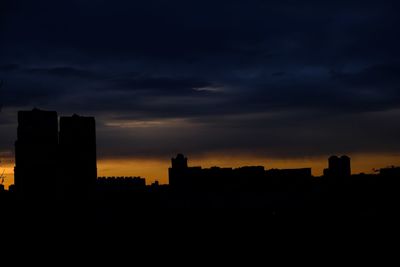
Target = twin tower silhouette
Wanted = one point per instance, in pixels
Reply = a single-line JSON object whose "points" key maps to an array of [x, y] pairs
{"points": [[54, 158]]}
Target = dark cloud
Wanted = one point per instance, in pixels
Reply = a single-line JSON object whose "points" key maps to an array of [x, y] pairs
{"points": [[159, 85], [375, 77], [277, 77], [279, 74], [9, 68], [63, 72]]}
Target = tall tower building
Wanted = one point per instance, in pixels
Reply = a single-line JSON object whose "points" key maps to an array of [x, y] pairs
{"points": [[178, 171], [36, 151], [338, 167], [346, 166], [78, 167], [180, 162]]}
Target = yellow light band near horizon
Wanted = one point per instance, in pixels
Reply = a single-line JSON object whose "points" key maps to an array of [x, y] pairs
{"points": [[157, 169]]}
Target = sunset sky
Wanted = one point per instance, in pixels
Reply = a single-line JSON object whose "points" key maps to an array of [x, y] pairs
{"points": [[232, 82]]}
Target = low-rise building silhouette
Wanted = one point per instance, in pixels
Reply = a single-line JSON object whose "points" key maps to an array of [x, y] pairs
{"points": [[248, 178], [120, 183], [390, 172], [288, 179], [293, 173], [124, 192]]}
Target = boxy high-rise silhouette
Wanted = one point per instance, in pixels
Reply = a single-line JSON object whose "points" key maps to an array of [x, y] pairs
{"points": [[338, 167], [77, 164], [36, 151], [53, 164]]}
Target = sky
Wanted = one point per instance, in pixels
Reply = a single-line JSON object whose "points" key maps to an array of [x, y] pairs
{"points": [[229, 82]]}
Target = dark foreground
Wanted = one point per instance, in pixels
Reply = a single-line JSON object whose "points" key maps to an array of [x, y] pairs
{"points": [[364, 196]]}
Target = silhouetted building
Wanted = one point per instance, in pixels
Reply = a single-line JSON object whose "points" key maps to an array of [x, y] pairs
{"points": [[180, 162], [293, 173], [289, 179], [2, 188], [121, 183], [390, 172], [179, 174], [36, 151], [183, 178], [338, 167], [11, 188], [155, 184], [78, 167], [249, 178], [125, 192], [346, 166]]}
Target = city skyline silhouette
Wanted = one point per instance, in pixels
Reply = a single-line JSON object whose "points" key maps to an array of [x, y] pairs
{"points": [[287, 106], [127, 163], [56, 164], [77, 123]]}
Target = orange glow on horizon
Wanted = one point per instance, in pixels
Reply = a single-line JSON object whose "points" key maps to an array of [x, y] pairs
{"points": [[8, 169], [156, 169], [152, 170]]}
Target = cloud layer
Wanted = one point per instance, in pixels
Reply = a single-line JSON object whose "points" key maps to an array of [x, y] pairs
{"points": [[276, 78]]}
